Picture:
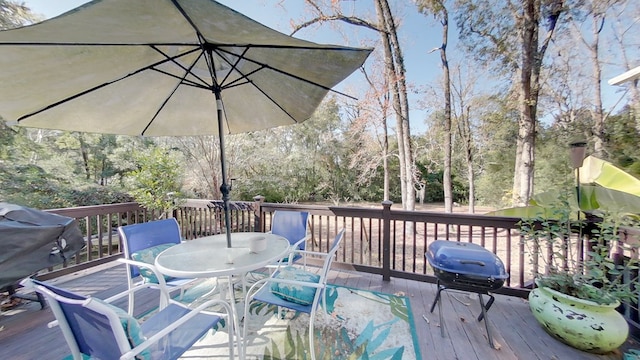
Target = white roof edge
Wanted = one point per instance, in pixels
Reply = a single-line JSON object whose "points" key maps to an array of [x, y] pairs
{"points": [[626, 76]]}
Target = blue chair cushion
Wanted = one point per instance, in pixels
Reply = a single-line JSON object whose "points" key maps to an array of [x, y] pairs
{"points": [[298, 294], [149, 256], [131, 329]]}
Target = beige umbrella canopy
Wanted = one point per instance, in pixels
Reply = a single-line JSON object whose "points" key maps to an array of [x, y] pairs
{"points": [[164, 68]]}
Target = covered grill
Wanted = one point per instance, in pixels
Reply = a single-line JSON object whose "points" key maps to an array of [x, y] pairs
{"points": [[32, 240], [467, 267]]}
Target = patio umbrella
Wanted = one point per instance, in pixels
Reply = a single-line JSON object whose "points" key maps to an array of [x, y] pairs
{"points": [[164, 68]]}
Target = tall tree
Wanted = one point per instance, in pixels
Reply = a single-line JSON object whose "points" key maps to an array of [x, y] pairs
{"points": [[595, 12], [371, 118], [465, 104], [385, 25], [515, 38], [202, 155], [440, 12]]}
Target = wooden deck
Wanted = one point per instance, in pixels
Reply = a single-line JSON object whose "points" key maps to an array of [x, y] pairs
{"points": [[24, 334]]}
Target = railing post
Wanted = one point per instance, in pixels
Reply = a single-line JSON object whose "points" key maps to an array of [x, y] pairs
{"points": [[257, 213], [386, 240]]}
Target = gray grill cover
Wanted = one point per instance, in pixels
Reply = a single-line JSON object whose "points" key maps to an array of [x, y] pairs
{"points": [[32, 240]]}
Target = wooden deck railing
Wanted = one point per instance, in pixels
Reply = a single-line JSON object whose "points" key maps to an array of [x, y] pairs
{"points": [[380, 239]]}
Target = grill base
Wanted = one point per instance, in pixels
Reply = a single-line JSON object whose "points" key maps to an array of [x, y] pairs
{"points": [[442, 286], [466, 267]]}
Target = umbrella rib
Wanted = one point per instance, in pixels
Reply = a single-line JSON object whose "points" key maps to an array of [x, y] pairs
{"points": [[166, 100], [246, 77], [97, 87], [248, 46], [266, 66], [235, 65], [173, 60]]}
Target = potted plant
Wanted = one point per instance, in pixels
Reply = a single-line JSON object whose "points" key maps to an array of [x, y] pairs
{"points": [[581, 275]]}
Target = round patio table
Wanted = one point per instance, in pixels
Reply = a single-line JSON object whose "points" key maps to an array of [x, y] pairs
{"points": [[209, 256]]}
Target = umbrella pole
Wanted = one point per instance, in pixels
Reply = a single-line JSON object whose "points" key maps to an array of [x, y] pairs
{"points": [[224, 188]]}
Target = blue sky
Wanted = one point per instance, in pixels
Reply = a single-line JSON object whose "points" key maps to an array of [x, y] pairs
{"points": [[418, 33]]}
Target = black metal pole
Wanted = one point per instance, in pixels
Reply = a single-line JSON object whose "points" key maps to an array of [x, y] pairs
{"points": [[224, 188]]}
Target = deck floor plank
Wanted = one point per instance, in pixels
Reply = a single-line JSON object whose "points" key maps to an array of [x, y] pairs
{"points": [[24, 333]]}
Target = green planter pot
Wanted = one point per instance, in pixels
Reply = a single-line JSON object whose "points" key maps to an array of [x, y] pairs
{"points": [[582, 324]]}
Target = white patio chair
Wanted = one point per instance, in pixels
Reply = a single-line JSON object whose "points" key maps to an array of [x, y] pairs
{"points": [[294, 288], [293, 226], [141, 243]]}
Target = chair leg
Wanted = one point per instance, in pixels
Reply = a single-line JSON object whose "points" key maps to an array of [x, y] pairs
{"points": [[312, 348], [131, 302]]}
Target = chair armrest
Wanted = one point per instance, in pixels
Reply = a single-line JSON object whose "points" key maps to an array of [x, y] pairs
{"points": [[296, 245], [313, 253], [304, 254], [162, 284], [263, 282], [151, 267], [294, 282]]}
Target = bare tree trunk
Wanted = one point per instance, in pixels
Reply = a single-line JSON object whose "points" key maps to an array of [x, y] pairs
{"points": [[597, 112], [464, 129], [529, 91], [385, 157], [472, 182], [390, 71], [401, 103], [527, 103], [446, 181]]}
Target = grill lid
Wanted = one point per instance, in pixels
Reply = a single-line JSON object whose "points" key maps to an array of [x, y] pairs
{"points": [[465, 259]]}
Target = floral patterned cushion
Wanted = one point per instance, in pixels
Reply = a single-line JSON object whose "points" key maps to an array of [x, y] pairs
{"points": [[131, 329], [149, 256], [298, 294]]}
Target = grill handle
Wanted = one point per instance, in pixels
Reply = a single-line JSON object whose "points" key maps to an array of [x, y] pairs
{"points": [[472, 262]]}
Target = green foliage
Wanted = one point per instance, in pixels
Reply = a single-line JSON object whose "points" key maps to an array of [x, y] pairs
{"points": [[156, 182], [93, 194], [434, 189], [599, 276], [297, 163], [553, 170], [497, 149], [7, 136], [621, 141], [30, 185]]}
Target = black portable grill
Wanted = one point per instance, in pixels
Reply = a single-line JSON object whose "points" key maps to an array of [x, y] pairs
{"points": [[32, 240], [466, 267]]}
